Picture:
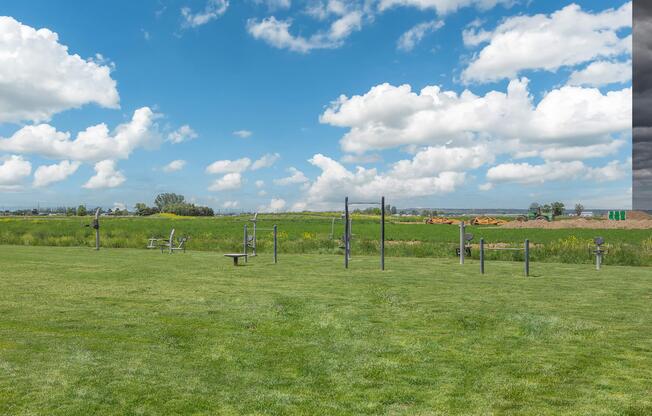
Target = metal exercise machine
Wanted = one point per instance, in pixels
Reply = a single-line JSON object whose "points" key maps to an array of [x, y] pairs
{"points": [[250, 241], [347, 230]]}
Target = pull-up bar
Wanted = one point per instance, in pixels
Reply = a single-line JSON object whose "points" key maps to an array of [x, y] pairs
{"points": [[365, 203], [347, 230], [525, 249]]}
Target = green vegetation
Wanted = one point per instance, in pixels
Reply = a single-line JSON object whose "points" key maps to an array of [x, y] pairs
{"points": [[138, 332], [310, 233], [172, 203]]}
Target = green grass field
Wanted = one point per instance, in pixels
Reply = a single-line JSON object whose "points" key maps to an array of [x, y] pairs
{"points": [[130, 332], [311, 234]]}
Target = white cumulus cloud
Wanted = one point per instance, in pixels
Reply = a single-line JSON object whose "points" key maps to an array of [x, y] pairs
{"points": [[212, 10], [528, 174], [275, 205], [13, 170], [275, 4], [601, 73], [93, 144], [174, 166], [265, 161], [229, 166], [335, 182], [442, 6], [106, 176], [39, 77], [388, 116], [182, 134], [230, 181], [277, 33], [46, 175], [243, 134], [434, 160], [413, 37], [295, 177], [567, 37]]}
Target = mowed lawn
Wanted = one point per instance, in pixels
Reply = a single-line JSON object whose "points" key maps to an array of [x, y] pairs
{"points": [[129, 332]]}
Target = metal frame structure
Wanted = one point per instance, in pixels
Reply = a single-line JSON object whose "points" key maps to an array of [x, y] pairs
{"points": [[96, 225], [599, 251], [332, 235], [464, 238], [245, 243], [253, 239], [525, 248], [347, 230]]}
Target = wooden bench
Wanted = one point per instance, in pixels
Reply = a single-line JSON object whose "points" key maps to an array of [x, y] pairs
{"points": [[235, 257]]}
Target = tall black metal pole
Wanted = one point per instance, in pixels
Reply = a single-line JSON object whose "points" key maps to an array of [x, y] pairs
{"points": [[275, 245], [96, 225], [253, 241], [527, 258], [482, 255], [382, 233], [244, 244], [462, 242], [346, 232]]}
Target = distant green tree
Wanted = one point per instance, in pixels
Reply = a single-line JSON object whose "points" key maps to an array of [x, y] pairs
{"points": [[163, 200], [189, 210], [579, 209], [393, 210], [81, 211], [558, 209], [143, 210]]}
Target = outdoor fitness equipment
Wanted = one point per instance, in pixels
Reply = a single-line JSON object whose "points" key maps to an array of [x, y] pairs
{"points": [[347, 230], [250, 241], [96, 225], [332, 236], [464, 249], [599, 251], [168, 243], [252, 238], [525, 248]]}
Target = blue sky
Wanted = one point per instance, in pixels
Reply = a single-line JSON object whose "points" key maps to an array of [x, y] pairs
{"points": [[245, 79]]}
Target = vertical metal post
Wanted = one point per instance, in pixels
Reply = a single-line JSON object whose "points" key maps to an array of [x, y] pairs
{"points": [[598, 258], [346, 232], [96, 225], [462, 242], [253, 241], [482, 256], [527, 258], [275, 245], [244, 244], [382, 233]]}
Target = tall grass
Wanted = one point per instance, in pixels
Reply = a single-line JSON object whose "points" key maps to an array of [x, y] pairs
{"points": [[311, 234]]}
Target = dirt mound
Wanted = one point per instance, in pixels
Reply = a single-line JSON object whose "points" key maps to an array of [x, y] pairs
{"points": [[629, 224], [638, 215]]}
